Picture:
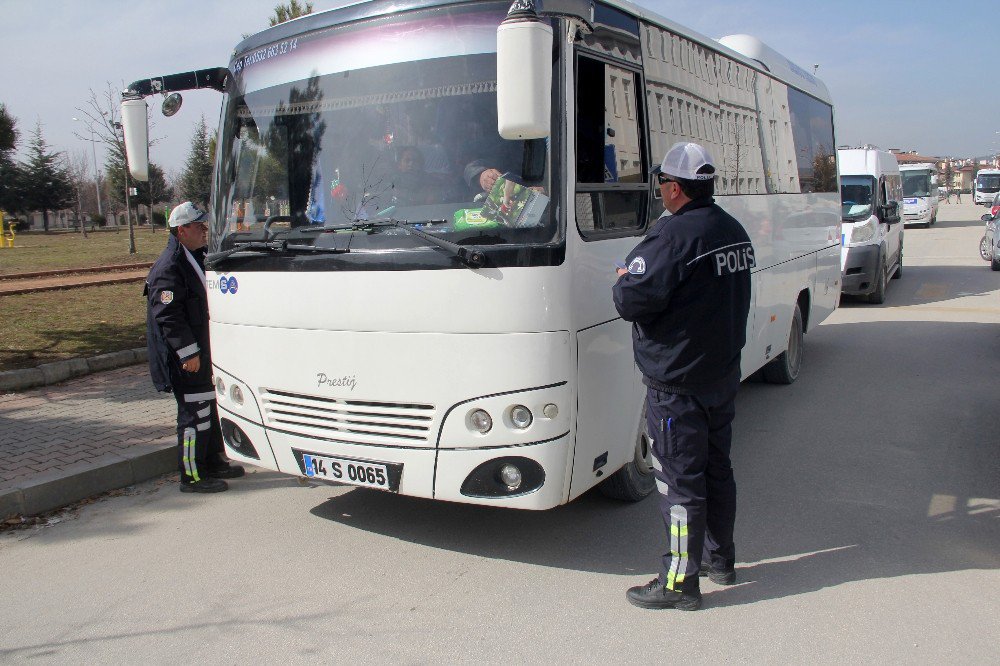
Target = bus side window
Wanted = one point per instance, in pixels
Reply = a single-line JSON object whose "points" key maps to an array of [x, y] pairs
{"points": [[611, 177]]}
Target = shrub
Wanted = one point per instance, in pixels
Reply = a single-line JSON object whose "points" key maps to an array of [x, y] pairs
{"points": [[98, 221]]}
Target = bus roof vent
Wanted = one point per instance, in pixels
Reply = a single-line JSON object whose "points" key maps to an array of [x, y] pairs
{"points": [[775, 63]]}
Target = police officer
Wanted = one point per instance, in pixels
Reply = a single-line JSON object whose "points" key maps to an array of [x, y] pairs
{"points": [[179, 355], [686, 288]]}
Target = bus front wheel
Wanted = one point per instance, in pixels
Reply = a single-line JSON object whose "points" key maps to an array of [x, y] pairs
{"points": [[635, 480], [785, 368]]}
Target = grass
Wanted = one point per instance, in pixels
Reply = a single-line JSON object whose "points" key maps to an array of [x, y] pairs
{"points": [[38, 251], [56, 325]]}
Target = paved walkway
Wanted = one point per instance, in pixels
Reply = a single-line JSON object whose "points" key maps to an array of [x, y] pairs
{"points": [[65, 428]]}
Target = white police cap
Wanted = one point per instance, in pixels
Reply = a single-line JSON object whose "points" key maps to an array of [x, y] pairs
{"points": [[684, 160], [186, 213]]}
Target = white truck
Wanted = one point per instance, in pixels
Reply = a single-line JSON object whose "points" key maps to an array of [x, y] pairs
{"points": [[871, 233]]}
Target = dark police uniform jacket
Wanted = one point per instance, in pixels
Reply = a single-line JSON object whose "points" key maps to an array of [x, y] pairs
{"points": [[177, 318], [687, 292]]}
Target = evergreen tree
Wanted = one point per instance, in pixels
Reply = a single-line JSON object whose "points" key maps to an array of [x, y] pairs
{"points": [[289, 11], [10, 173], [46, 185], [196, 181]]}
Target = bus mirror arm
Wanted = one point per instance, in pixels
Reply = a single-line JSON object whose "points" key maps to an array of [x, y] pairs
{"points": [[215, 78]]}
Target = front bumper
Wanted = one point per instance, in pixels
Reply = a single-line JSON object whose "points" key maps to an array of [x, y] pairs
{"points": [[430, 473], [860, 268]]}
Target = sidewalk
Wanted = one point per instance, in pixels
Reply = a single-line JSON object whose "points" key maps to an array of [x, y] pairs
{"points": [[69, 441]]}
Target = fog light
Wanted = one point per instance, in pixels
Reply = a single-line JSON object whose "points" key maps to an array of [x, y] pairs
{"points": [[236, 393], [520, 416], [481, 421], [510, 476], [220, 386], [550, 411]]}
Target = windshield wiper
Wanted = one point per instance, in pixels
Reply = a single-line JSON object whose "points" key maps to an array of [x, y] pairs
{"points": [[471, 256], [266, 247]]}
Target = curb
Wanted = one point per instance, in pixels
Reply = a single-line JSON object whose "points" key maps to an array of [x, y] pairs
{"points": [[75, 271], [51, 490], [60, 371], [17, 291]]}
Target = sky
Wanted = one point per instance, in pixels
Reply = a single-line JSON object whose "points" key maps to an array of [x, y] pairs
{"points": [[903, 73]]}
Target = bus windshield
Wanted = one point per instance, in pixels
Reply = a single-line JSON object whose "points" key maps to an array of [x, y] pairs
{"points": [[414, 142], [916, 184], [988, 182], [856, 197]]}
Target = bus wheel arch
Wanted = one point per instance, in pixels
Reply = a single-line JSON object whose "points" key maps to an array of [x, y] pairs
{"points": [[635, 480]]}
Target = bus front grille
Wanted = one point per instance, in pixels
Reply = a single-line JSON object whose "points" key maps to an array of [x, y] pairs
{"points": [[350, 421]]}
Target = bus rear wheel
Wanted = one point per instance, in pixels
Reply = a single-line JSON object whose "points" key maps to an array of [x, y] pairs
{"points": [[786, 367], [635, 480]]}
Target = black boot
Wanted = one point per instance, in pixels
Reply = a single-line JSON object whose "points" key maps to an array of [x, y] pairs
{"points": [[225, 471], [718, 576], [204, 486], [655, 595]]}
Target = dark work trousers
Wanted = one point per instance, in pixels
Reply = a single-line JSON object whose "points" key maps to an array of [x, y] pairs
{"points": [[199, 437], [692, 435]]}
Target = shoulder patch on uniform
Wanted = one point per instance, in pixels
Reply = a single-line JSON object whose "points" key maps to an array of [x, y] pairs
{"points": [[637, 266], [166, 297]]}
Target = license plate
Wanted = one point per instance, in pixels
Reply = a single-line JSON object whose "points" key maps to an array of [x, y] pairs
{"points": [[384, 476]]}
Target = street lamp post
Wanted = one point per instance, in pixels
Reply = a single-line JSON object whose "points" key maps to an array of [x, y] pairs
{"points": [[97, 173]]}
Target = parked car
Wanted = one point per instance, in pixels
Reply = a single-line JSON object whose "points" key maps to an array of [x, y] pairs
{"points": [[942, 193], [988, 244]]}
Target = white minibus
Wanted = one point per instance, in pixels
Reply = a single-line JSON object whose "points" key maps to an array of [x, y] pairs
{"points": [[418, 207], [920, 200], [986, 186]]}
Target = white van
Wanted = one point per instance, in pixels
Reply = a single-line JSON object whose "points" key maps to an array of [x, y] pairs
{"points": [[871, 228]]}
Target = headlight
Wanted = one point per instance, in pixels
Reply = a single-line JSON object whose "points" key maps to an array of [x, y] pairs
{"points": [[481, 421], [220, 386], [520, 417], [236, 393], [863, 233]]}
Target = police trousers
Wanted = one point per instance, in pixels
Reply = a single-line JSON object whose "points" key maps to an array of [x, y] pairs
{"points": [[199, 436], [692, 436]]}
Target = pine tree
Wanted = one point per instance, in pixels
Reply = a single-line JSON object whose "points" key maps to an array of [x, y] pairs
{"points": [[287, 12], [10, 173], [196, 181], [46, 185]]}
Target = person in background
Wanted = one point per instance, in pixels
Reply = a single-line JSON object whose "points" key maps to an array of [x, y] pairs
{"points": [[180, 358], [686, 290]]}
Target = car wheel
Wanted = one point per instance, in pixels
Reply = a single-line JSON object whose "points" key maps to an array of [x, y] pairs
{"points": [[786, 367], [635, 480], [984, 248], [878, 295], [995, 263]]}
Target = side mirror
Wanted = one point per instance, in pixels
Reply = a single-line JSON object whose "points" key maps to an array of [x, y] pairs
{"points": [[890, 212], [136, 138], [987, 218], [524, 74]]}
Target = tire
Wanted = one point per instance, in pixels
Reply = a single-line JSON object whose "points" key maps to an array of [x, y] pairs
{"points": [[635, 480], [899, 264], [984, 248], [881, 281], [995, 263], [786, 367]]}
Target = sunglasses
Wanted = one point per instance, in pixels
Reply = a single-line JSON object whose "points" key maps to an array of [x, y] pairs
{"points": [[663, 180]]}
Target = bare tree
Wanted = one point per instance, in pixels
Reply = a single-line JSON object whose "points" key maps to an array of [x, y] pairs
{"points": [[78, 169]]}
